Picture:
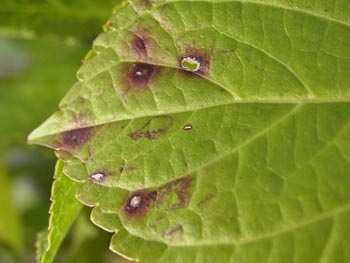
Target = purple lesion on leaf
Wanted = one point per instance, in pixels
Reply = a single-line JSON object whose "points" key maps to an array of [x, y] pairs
{"points": [[138, 203], [181, 188], [146, 132], [73, 139], [140, 76], [139, 45]]}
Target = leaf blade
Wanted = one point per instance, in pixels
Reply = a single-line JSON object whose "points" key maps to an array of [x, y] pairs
{"points": [[242, 159], [63, 212]]}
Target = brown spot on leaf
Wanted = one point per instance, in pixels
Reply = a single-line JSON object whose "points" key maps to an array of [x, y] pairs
{"points": [[138, 203], [139, 45], [164, 123], [153, 195], [75, 138], [179, 187], [140, 75], [170, 234]]}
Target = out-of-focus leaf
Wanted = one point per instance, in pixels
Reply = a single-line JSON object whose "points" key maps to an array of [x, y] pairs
{"points": [[42, 244], [33, 76], [215, 131], [88, 244], [6, 255], [13, 59], [10, 224], [63, 211], [79, 18]]}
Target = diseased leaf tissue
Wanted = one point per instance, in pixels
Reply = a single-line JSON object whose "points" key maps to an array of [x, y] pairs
{"points": [[214, 131]]}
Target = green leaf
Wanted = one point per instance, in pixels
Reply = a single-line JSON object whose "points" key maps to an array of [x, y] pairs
{"points": [[10, 223], [64, 210], [244, 159], [88, 243]]}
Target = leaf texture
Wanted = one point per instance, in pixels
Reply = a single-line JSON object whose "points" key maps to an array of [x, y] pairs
{"points": [[244, 159], [63, 212]]}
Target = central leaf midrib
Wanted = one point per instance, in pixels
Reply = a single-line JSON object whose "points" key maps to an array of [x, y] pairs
{"points": [[152, 114]]}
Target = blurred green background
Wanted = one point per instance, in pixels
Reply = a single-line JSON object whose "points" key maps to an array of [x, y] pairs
{"points": [[42, 43]]}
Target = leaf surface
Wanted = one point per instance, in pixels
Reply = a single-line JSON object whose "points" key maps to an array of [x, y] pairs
{"points": [[214, 131], [63, 212]]}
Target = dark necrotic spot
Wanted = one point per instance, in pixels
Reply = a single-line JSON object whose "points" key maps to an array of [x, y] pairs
{"points": [[181, 188], [161, 125], [140, 74], [75, 138], [137, 203], [139, 45]]}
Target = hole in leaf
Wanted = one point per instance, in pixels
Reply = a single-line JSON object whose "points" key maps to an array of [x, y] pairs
{"points": [[195, 62], [190, 64]]}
